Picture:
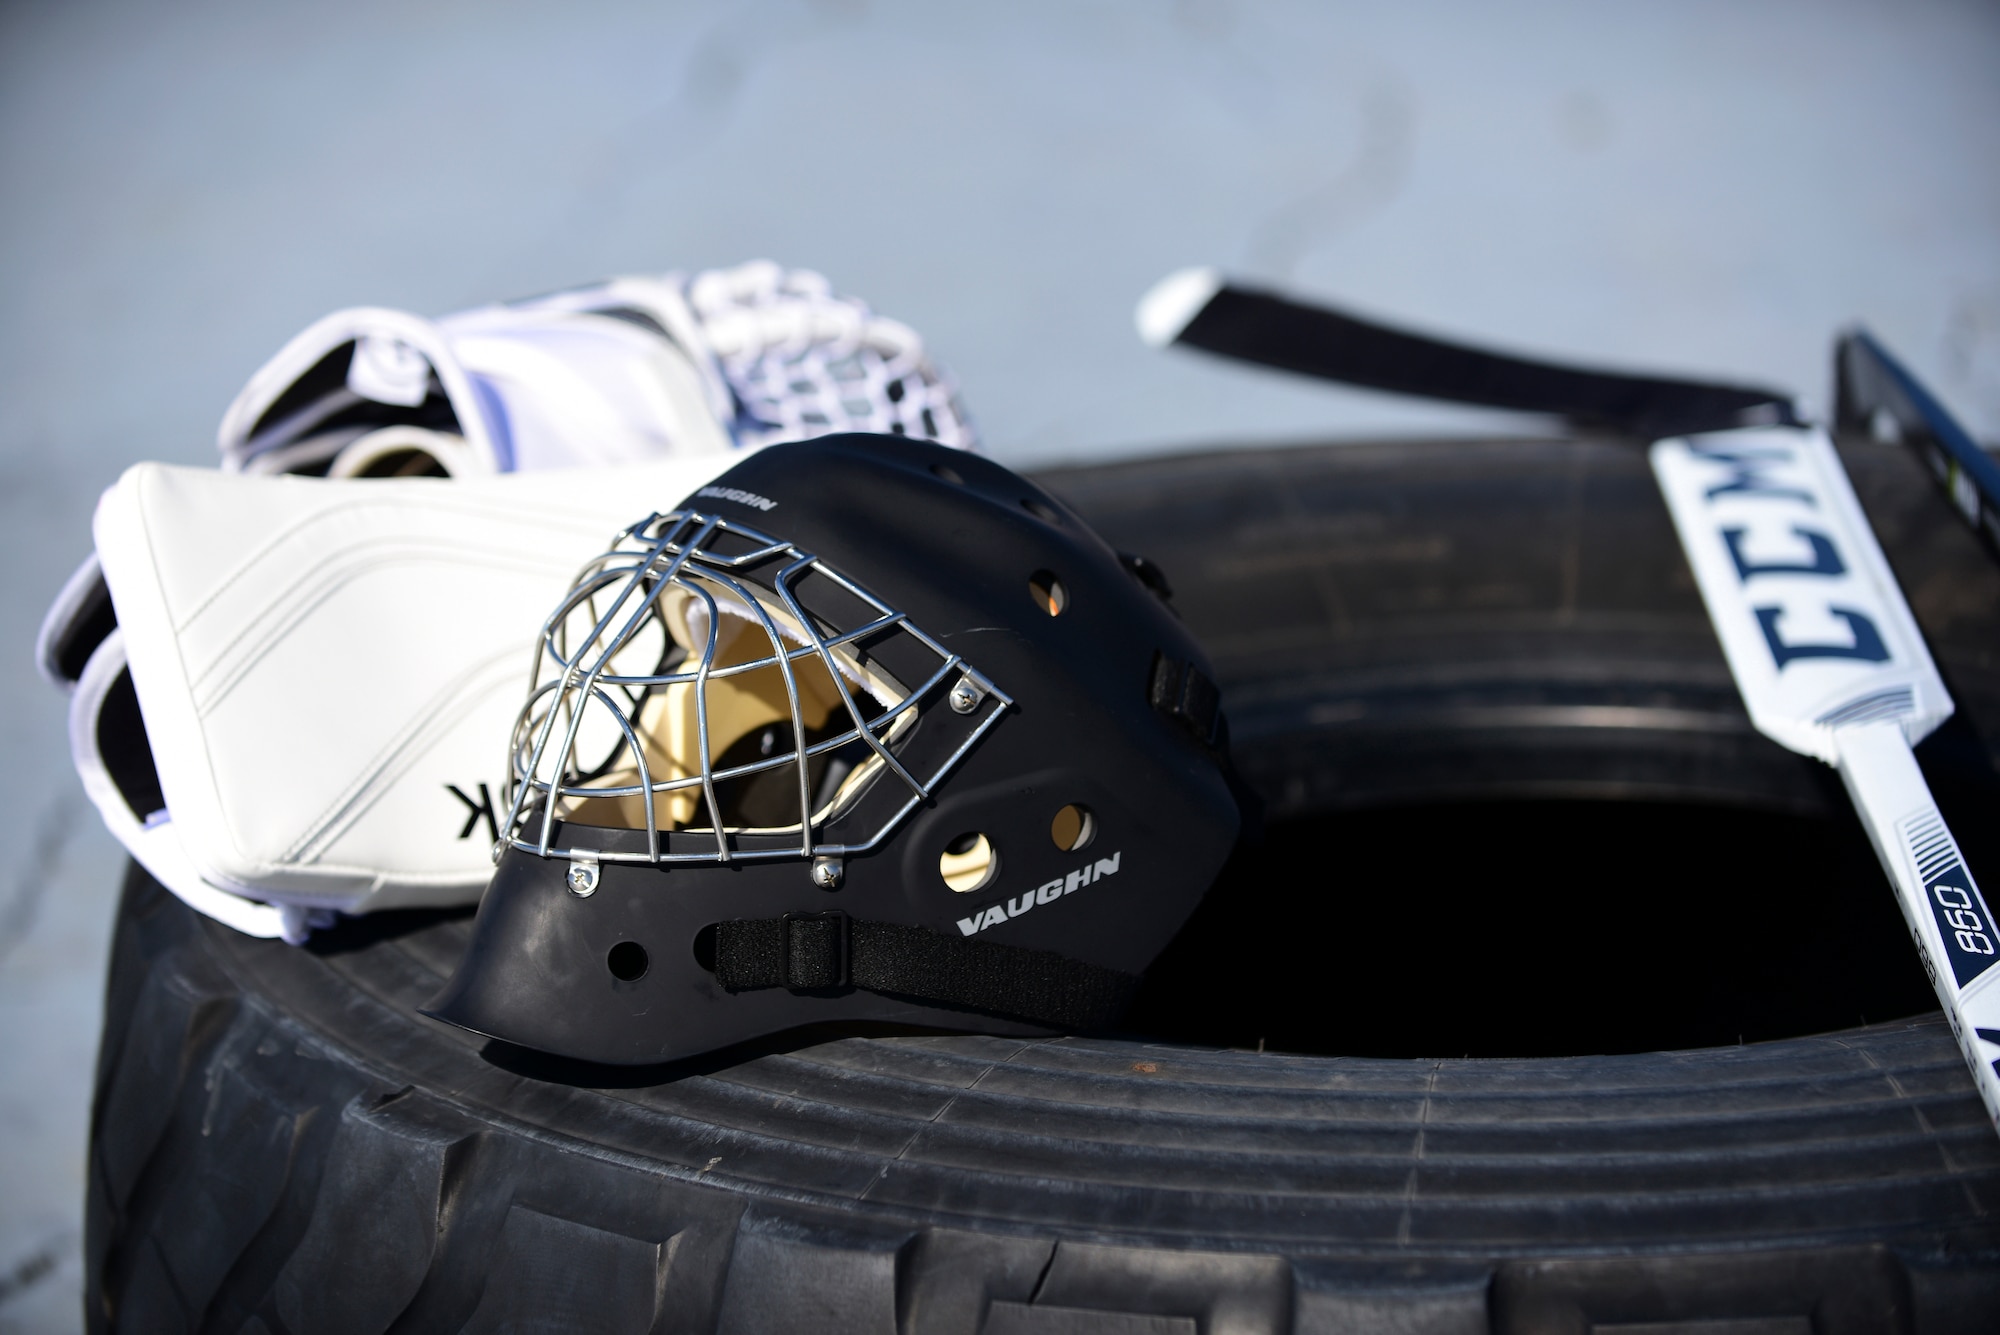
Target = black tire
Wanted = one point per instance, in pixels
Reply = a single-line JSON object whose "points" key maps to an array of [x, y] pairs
{"points": [[1413, 640]]}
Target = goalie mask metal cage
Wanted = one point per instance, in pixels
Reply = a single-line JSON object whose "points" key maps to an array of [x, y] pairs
{"points": [[867, 730], [719, 665]]}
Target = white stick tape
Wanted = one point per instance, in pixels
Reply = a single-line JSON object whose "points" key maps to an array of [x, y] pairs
{"points": [[1954, 930]]}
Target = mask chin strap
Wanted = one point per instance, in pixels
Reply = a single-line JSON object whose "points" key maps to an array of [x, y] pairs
{"points": [[831, 951]]}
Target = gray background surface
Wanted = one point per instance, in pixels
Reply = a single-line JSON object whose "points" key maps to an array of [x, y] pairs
{"points": [[1702, 187]]}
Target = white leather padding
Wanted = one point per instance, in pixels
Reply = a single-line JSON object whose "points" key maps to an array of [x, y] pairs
{"points": [[572, 389], [530, 386], [320, 661]]}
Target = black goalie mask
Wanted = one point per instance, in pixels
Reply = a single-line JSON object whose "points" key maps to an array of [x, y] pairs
{"points": [[867, 730]]}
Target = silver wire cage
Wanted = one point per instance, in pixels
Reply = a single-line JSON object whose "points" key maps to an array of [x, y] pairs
{"points": [[727, 693]]}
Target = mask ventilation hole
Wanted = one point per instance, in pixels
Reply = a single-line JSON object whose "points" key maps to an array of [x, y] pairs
{"points": [[970, 862], [627, 961], [1041, 510], [1073, 827], [949, 474], [1048, 592]]}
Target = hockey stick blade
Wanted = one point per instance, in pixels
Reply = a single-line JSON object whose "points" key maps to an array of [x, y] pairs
{"points": [[1198, 308], [1831, 664]]}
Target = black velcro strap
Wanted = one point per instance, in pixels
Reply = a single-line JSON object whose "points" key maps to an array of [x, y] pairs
{"points": [[988, 976], [822, 950], [799, 950]]}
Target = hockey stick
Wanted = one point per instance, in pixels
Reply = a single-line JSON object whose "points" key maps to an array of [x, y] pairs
{"points": [[1870, 385], [1818, 637]]}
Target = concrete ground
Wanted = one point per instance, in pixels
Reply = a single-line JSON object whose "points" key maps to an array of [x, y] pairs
{"points": [[1695, 186]]}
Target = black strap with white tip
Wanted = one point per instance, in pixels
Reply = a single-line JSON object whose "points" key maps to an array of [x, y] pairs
{"points": [[1195, 308]]}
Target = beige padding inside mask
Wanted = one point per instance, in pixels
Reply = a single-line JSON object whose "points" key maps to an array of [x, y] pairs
{"points": [[669, 725]]}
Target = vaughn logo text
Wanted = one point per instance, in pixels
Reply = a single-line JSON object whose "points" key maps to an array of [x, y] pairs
{"points": [[1088, 873]]}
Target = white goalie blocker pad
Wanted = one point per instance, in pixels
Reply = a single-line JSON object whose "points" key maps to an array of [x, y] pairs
{"points": [[669, 368], [328, 671], [1831, 664]]}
